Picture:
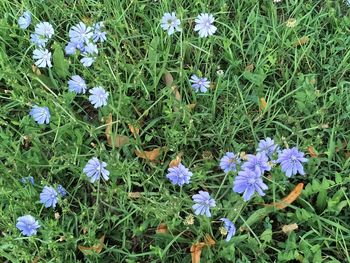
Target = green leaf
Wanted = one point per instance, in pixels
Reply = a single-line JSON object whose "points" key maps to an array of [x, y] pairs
{"points": [[60, 64], [266, 236], [257, 216]]}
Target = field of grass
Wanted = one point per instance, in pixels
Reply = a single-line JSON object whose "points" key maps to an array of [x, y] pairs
{"points": [[271, 76]]}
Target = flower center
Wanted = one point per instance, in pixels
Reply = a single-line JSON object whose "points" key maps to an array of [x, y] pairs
{"points": [[251, 181], [207, 24]]}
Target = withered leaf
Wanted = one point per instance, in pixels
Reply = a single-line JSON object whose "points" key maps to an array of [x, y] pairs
{"points": [[312, 151], [134, 130], [262, 104], [117, 140], [134, 195], [149, 155], [168, 79], [191, 106], [196, 249], [176, 161], [96, 248], [162, 229], [289, 228], [293, 195], [301, 41]]}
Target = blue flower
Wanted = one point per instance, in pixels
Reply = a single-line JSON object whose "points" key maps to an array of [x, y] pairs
{"points": [[89, 54], [28, 225], [98, 34], [61, 190], [40, 114], [44, 29], [203, 203], [201, 84], [257, 163], [29, 179], [38, 40], [267, 147], [98, 97], [291, 161], [248, 182], [95, 168], [229, 162], [170, 23], [43, 58], [80, 33], [77, 84], [229, 227], [204, 25], [71, 48], [25, 20], [179, 175], [49, 197]]}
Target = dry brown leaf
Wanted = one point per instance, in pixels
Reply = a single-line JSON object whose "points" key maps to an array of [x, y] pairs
{"points": [[36, 70], [96, 248], [87, 20], [134, 195], [134, 130], [36, 259], [347, 155], [293, 195], [176, 92], [249, 67], [301, 41], [108, 130], [149, 155], [207, 155], [196, 249], [61, 239], [209, 241], [57, 215], [191, 106], [26, 139], [212, 85], [168, 79], [85, 229], [243, 156], [116, 141], [176, 161], [162, 229], [289, 228], [262, 104], [312, 151]]}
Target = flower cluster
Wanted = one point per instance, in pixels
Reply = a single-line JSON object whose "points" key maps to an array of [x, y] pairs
{"points": [[249, 179], [205, 27], [98, 96], [83, 38], [42, 34], [204, 24]]}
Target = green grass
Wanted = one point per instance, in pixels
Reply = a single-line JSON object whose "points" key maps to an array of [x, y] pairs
{"points": [[308, 104]]}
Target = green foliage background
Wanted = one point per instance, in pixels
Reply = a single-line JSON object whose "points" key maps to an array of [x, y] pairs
{"points": [[308, 104]]}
